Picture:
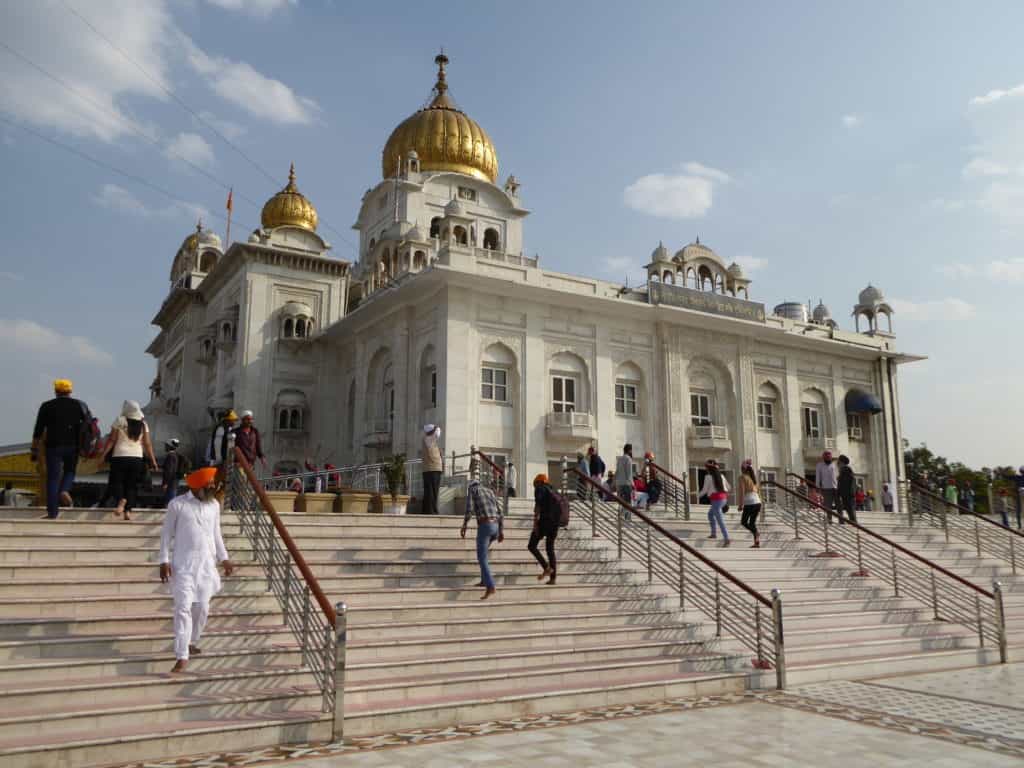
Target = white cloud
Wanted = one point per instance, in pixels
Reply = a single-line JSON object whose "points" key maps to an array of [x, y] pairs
{"points": [[229, 128], [751, 263], [957, 270], [1009, 270], [238, 83], [59, 43], [946, 206], [191, 147], [121, 200], [261, 8], [852, 121], [936, 309], [996, 95], [686, 195], [35, 339], [982, 166]]}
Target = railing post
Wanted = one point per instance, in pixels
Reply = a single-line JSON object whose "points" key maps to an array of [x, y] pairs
{"points": [[618, 524], [682, 580], [997, 591], [977, 537], [895, 572], [780, 644], [565, 476], [288, 577], [981, 623], [935, 597], [686, 503], [593, 513], [826, 525], [306, 607], [650, 557], [718, 606], [860, 557], [1013, 555], [341, 639]]}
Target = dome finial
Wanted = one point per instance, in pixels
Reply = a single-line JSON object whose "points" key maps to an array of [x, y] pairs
{"points": [[291, 179], [697, 241], [199, 225], [441, 60]]}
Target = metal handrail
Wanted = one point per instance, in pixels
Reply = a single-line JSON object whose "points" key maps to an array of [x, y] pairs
{"points": [[495, 479], [321, 634], [987, 536], [671, 490], [729, 601], [949, 595], [356, 477], [801, 478]]}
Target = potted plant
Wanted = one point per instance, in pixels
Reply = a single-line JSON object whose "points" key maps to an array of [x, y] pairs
{"points": [[394, 478]]}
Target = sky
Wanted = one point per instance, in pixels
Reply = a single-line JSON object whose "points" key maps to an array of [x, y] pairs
{"points": [[822, 146]]}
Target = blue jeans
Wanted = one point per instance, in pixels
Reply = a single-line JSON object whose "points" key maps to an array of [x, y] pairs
{"points": [[716, 519], [484, 533], [61, 463], [170, 493]]}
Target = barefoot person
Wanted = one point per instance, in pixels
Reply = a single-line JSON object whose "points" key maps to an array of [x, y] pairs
{"points": [[192, 529], [482, 504]]}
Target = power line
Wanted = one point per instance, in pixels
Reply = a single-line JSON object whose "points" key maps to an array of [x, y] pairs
{"points": [[106, 166], [127, 123], [156, 81]]}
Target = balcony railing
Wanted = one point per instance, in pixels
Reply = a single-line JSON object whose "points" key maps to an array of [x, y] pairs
{"points": [[819, 444], [710, 432], [516, 259], [569, 419]]}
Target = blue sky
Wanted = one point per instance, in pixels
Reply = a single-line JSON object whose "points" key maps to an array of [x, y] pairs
{"points": [[821, 145]]}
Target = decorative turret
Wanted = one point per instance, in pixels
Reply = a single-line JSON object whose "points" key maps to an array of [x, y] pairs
{"points": [[289, 208], [822, 315], [871, 304]]}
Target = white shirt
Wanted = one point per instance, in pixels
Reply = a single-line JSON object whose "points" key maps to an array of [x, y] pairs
{"points": [[709, 486], [511, 477], [125, 446], [192, 529], [825, 475]]}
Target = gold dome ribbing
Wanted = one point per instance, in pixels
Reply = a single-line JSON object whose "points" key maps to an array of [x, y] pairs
{"points": [[444, 137], [289, 208]]}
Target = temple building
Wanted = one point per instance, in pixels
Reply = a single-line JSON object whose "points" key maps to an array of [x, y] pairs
{"points": [[445, 319]]}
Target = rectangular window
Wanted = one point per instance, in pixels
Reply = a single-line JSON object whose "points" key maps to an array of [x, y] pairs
{"points": [[768, 491], [563, 394], [625, 399], [700, 409], [812, 421], [766, 415], [467, 193], [494, 384], [855, 426], [433, 389]]}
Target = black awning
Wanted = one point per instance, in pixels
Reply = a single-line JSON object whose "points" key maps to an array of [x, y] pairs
{"points": [[859, 401]]}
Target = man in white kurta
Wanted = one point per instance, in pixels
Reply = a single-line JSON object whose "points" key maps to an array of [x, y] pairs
{"points": [[192, 530]]}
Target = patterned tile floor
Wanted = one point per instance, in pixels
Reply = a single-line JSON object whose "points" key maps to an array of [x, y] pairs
{"points": [[970, 717]]}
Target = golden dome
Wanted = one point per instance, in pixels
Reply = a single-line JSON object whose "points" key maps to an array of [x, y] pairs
{"points": [[444, 137], [289, 208]]}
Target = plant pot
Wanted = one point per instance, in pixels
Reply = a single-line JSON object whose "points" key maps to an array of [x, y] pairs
{"points": [[315, 503], [394, 506], [352, 502], [283, 501]]}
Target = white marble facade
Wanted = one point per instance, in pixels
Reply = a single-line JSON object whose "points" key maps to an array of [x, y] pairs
{"points": [[444, 318]]}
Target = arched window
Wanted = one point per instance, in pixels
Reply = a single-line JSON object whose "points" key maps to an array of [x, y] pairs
{"points": [[207, 261], [669, 277], [814, 415], [702, 399], [373, 244], [628, 386], [707, 282], [435, 226], [289, 328], [460, 235], [207, 349], [419, 261], [225, 331], [300, 328], [691, 279], [282, 422], [295, 419], [719, 284], [768, 408], [492, 241]]}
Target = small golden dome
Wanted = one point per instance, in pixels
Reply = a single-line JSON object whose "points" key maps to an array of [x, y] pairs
{"points": [[191, 242], [289, 208], [444, 137]]}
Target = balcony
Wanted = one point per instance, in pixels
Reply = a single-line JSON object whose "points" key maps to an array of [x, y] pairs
{"points": [[815, 446], [710, 437], [571, 424], [378, 433]]}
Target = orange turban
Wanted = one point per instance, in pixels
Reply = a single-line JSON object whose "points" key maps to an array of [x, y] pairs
{"points": [[540, 479], [201, 478]]}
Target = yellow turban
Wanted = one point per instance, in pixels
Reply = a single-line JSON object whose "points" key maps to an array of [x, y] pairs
{"points": [[230, 416], [201, 478], [62, 386]]}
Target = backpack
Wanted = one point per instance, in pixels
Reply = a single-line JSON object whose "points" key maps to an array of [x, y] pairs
{"points": [[555, 508], [89, 435]]}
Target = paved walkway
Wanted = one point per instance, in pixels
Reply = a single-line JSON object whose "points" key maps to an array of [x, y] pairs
{"points": [[971, 717]]}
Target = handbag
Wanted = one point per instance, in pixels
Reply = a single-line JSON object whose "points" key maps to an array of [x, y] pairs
{"points": [[725, 509]]}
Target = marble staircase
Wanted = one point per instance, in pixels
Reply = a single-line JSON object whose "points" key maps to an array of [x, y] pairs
{"points": [[85, 637]]}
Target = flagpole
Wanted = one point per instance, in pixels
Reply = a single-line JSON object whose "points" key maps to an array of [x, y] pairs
{"points": [[230, 206]]}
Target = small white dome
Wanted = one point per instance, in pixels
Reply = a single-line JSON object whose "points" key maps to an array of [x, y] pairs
{"points": [[210, 238], [735, 270], [821, 313], [254, 237], [870, 295], [660, 253], [415, 234], [412, 154]]}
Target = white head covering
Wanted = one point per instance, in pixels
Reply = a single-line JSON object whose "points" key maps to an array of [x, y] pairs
{"points": [[246, 414], [428, 428], [132, 410], [173, 442]]}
